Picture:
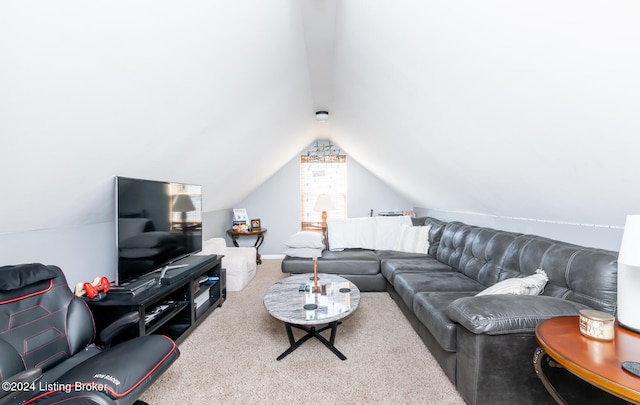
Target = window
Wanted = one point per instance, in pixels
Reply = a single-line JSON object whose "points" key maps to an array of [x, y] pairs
{"points": [[322, 175]]}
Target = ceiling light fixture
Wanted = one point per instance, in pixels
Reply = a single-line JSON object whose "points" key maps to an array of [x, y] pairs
{"points": [[322, 116]]}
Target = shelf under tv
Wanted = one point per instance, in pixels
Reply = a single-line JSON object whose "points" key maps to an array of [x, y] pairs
{"points": [[180, 317]]}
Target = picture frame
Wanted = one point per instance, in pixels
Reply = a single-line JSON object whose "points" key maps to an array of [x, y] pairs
{"points": [[255, 223], [240, 214]]}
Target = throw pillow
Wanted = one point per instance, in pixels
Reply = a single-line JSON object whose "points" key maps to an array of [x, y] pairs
{"points": [[307, 253], [530, 285], [413, 239], [305, 239], [387, 231]]}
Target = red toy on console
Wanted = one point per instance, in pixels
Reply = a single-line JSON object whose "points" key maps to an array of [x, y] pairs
{"points": [[94, 290]]}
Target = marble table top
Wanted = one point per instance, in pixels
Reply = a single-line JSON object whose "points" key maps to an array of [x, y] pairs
{"points": [[285, 302]]}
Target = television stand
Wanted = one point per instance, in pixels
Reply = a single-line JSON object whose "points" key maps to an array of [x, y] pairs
{"points": [[135, 287], [174, 309], [172, 273]]}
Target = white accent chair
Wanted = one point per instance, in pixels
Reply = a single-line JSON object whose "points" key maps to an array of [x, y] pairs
{"points": [[240, 262]]}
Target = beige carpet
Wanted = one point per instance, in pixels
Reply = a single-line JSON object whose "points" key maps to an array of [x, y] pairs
{"points": [[231, 358]]}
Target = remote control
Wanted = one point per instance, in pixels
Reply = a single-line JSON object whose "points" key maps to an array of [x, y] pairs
{"points": [[631, 366]]}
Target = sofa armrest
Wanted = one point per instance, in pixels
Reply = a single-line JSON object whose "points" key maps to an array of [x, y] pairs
{"points": [[213, 246], [506, 313]]}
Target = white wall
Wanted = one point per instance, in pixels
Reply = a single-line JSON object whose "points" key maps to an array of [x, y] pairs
{"points": [[82, 252]]}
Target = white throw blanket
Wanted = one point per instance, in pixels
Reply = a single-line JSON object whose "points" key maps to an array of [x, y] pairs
{"points": [[375, 233]]}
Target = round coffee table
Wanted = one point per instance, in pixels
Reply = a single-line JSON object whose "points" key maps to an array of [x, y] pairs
{"points": [[293, 301]]}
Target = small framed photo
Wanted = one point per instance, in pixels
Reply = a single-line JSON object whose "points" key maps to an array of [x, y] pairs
{"points": [[255, 224]]}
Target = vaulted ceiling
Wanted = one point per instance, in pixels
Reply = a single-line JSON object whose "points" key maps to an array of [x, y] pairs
{"points": [[520, 109]]}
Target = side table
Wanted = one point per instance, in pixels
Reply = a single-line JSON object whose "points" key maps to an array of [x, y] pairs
{"points": [[596, 362], [258, 233]]}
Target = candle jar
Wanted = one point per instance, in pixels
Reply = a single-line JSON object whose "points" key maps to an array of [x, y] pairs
{"points": [[597, 324]]}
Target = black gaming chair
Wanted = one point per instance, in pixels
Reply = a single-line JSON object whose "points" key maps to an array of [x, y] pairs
{"points": [[48, 352]]}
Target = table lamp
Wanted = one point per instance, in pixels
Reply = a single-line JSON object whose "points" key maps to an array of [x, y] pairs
{"points": [[629, 275], [324, 203], [183, 204]]}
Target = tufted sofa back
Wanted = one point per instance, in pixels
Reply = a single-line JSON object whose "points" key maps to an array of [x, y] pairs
{"points": [[479, 253], [576, 273]]}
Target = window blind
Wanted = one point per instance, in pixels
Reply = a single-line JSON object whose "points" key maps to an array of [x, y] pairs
{"points": [[326, 175]]}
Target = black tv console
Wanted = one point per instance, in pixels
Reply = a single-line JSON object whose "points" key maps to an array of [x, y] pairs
{"points": [[173, 309]]}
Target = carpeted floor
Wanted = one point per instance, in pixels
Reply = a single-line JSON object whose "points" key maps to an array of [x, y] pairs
{"points": [[231, 358]]}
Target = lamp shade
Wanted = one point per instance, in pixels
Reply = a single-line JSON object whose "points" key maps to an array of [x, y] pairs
{"points": [[324, 203], [183, 203], [629, 275], [630, 246]]}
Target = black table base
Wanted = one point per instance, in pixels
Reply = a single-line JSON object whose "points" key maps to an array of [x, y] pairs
{"points": [[312, 332]]}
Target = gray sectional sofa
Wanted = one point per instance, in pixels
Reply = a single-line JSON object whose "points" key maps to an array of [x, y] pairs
{"points": [[484, 344]]}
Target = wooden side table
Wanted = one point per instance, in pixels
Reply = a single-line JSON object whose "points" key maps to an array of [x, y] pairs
{"points": [[258, 233], [597, 362]]}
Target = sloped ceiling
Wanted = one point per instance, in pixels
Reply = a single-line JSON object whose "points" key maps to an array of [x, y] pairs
{"points": [[518, 109], [208, 92]]}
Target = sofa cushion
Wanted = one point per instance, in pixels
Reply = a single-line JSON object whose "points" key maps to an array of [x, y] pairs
{"points": [[430, 308], [305, 239], [305, 252], [500, 314], [348, 261], [530, 285], [392, 262], [408, 284]]}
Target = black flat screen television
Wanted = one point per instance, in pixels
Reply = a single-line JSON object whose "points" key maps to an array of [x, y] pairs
{"points": [[157, 223]]}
